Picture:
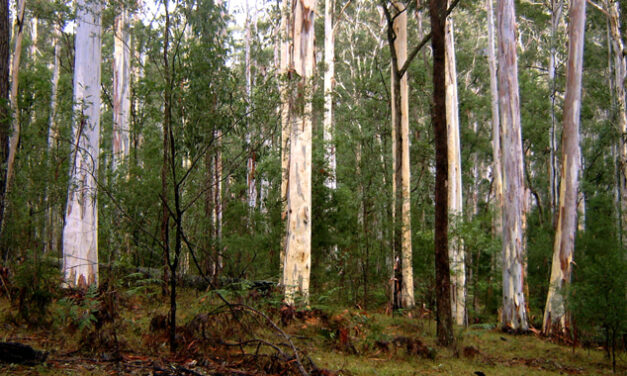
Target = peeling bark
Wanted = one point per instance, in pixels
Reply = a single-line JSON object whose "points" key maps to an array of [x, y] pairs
{"points": [[556, 319], [514, 315], [497, 170]]}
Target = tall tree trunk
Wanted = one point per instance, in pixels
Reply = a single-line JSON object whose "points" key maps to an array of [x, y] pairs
{"points": [[556, 16], [404, 291], [514, 315], [121, 89], [620, 72], [5, 50], [329, 81], [217, 203], [53, 135], [455, 201], [297, 264], [556, 318], [80, 234], [14, 137], [167, 115], [250, 173], [285, 66], [442, 269], [497, 170]]}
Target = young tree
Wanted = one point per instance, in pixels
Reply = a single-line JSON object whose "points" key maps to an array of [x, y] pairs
{"points": [[437, 9], [80, 233], [514, 315], [556, 319], [329, 83], [297, 263], [14, 137], [285, 38]]}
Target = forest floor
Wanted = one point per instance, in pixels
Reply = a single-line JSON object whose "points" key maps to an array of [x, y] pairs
{"points": [[125, 333]]}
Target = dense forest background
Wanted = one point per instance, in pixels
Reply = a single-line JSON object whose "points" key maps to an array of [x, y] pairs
{"points": [[211, 168]]}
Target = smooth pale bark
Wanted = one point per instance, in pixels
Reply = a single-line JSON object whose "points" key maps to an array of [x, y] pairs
{"points": [[297, 264], [438, 118], [400, 153], [80, 234], [620, 72], [556, 319], [121, 89], [329, 83], [14, 137], [514, 313], [497, 170], [285, 63], [455, 203], [34, 34], [250, 167], [5, 40], [556, 15]]}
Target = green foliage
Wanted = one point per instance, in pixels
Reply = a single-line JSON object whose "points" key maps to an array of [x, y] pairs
{"points": [[36, 282], [597, 295]]}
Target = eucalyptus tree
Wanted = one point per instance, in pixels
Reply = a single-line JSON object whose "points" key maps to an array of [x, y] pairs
{"points": [[455, 201], [556, 319], [80, 233], [437, 9], [514, 315], [121, 87], [14, 137], [297, 262]]}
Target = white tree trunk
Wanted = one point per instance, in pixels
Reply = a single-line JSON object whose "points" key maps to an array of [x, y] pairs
{"points": [[455, 203], [329, 81], [620, 72], [297, 262], [34, 34], [556, 319], [80, 234], [121, 89], [514, 315], [497, 170], [556, 15], [250, 170], [401, 163], [285, 63]]}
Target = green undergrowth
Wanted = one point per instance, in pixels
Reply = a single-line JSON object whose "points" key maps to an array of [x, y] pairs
{"points": [[353, 342]]}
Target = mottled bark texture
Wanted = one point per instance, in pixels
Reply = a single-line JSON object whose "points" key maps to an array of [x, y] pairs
{"points": [[556, 318], [80, 234], [514, 313], [297, 263], [497, 170]]}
